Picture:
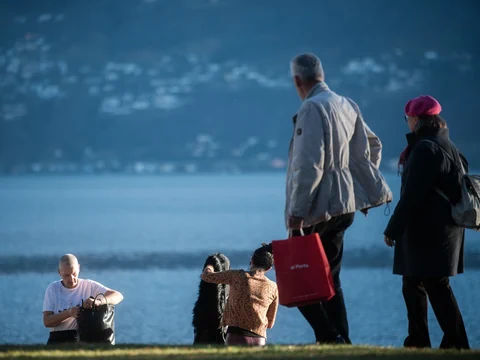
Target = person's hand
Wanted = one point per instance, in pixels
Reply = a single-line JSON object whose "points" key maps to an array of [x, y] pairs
{"points": [[388, 241], [74, 311], [295, 222], [88, 303], [208, 269]]}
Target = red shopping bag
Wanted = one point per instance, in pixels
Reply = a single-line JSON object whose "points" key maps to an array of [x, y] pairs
{"points": [[302, 271]]}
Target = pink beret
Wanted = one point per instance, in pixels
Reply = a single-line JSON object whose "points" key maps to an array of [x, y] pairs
{"points": [[423, 105]]}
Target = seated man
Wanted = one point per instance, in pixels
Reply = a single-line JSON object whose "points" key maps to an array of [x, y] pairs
{"points": [[63, 299]]}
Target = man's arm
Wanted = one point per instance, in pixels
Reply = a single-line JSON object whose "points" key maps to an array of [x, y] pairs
{"points": [[113, 296], [307, 159], [51, 320], [375, 145], [362, 130]]}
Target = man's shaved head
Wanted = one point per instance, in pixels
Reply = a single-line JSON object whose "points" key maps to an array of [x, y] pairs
{"points": [[68, 268], [68, 260]]}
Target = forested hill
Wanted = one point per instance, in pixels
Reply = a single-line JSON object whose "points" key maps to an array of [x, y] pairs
{"points": [[206, 83]]}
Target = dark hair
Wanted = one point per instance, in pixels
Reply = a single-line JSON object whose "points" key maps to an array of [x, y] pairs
{"points": [[431, 121], [219, 262], [263, 257]]}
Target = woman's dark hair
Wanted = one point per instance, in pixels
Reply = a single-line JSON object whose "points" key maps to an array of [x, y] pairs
{"points": [[431, 121], [263, 257]]}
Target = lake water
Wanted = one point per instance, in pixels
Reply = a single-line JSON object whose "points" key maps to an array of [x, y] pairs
{"points": [[148, 236]]}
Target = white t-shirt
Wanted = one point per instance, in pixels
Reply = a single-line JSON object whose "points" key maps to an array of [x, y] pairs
{"points": [[59, 298]]}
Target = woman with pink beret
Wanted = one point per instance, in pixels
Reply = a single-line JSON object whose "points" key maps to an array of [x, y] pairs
{"points": [[429, 246]]}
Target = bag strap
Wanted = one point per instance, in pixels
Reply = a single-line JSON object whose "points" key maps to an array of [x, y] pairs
{"points": [[460, 168], [289, 232], [441, 193], [95, 298]]}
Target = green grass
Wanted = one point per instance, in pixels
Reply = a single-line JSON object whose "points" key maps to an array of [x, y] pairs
{"points": [[121, 352]]}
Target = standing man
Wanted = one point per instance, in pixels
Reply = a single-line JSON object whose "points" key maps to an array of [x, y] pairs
{"points": [[63, 299], [332, 172]]}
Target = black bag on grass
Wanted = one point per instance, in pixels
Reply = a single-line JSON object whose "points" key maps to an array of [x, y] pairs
{"points": [[97, 325]]}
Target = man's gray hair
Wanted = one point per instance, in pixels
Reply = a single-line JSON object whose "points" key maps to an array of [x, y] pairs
{"points": [[68, 260], [307, 67]]}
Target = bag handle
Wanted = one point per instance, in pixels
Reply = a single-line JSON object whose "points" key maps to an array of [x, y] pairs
{"points": [[95, 298], [289, 232]]}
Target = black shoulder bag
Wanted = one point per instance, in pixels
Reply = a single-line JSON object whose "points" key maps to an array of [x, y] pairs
{"points": [[97, 325]]}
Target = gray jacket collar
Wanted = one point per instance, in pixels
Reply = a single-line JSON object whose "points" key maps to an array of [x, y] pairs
{"points": [[317, 89]]}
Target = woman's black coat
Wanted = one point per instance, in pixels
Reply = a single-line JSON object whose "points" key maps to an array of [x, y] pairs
{"points": [[427, 242]]}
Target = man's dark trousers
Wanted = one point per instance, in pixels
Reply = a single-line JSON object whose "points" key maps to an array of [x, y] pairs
{"points": [[329, 318]]}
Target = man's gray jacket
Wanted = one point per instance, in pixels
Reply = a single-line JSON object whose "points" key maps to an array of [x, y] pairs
{"points": [[334, 160]]}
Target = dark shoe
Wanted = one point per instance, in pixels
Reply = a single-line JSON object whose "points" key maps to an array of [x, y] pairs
{"points": [[413, 342], [340, 340]]}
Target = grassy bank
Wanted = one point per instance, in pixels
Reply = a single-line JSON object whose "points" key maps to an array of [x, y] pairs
{"points": [[121, 352]]}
